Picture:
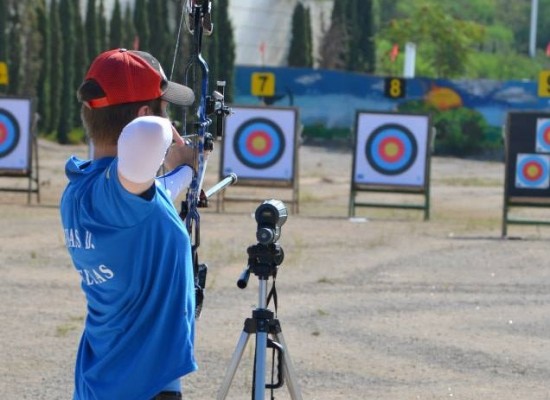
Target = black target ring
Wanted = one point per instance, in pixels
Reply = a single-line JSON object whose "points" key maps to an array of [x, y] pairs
{"points": [[259, 143], [391, 149]]}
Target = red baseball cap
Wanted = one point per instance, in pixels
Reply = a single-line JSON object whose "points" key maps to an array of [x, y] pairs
{"points": [[129, 76]]}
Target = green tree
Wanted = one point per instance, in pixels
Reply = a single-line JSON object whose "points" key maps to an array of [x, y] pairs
{"points": [[365, 49], [160, 44], [334, 49], [102, 27], [142, 24], [44, 86], [3, 37], [300, 52], [115, 27], [81, 58], [226, 50], [15, 52], [56, 70], [444, 42], [92, 30], [67, 20], [129, 31]]}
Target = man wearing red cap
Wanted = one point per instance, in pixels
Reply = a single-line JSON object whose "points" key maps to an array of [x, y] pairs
{"points": [[125, 237]]}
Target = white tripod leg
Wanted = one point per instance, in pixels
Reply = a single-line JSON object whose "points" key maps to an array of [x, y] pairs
{"points": [[288, 370], [233, 365], [259, 374]]}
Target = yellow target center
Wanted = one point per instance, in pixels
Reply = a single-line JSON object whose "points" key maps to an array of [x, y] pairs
{"points": [[259, 143], [532, 171], [391, 149]]}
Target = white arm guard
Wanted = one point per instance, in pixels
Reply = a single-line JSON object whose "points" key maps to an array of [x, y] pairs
{"points": [[142, 146], [176, 181]]}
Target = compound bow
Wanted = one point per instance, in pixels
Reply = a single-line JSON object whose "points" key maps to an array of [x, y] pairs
{"points": [[207, 106]]}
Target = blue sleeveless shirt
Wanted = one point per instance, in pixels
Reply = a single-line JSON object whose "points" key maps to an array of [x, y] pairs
{"points": [[134, 259]]}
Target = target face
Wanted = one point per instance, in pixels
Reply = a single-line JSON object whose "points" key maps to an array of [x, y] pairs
{"points": [[259, 143], [543, 135], [391, 149], [9, 132], [532, 171]]}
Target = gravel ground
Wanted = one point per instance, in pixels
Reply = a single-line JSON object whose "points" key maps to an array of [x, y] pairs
{"points": [[385, 306]]}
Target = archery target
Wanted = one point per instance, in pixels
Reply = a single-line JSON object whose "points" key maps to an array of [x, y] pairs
{"points": [[543, 135], [532, 171], [15, 122], [391, 149], [259, 143]]}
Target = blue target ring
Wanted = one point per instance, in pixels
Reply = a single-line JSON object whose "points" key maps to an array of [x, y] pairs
{"points": [[543, 136], [9, 132], [532, 172], [391, 149], [259, 143]]}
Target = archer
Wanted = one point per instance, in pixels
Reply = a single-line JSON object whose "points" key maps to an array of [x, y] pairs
{"points": [[137, 277]]}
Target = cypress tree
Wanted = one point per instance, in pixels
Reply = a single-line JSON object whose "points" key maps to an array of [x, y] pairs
{"points": [[297, 56], [81, 60], [92, 30], [44, 87], [102, 27], [115, 27], [129, 31], [27, 40], [159, 42], [352, 23], [56, 70], [308, 38], [360, 23], [334, 45], [66, 14], [15, 52], [141, 24], [226, 47], [367, 44], [3, 38]]}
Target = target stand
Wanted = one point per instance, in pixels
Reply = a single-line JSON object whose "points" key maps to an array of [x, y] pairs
{"points": [[19, 145], [391, 156], [260, 147], [527, 170]]}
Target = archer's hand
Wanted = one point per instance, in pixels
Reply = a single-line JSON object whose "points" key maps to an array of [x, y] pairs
{"points": [[179, 153]]}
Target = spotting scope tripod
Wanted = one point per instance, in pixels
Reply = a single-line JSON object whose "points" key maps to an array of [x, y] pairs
{"points": [[263, 261]]}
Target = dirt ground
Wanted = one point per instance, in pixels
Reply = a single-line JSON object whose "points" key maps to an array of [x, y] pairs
{"points": [[385, 306]]}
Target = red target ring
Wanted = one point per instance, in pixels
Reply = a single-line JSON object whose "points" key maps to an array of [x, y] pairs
{"points": [[259, 143], [391, 149]]}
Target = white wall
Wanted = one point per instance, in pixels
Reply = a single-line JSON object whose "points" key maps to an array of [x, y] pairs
{"points": [[270, 21], [257, 21]]}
